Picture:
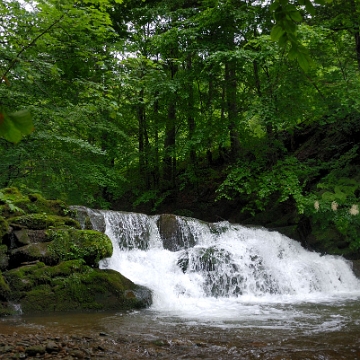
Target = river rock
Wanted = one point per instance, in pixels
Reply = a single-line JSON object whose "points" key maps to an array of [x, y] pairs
{"points": [[72, 285], [174, 232], [49, 264]]}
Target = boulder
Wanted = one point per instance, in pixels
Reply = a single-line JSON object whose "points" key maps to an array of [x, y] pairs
{"points": [[4, 228], [4, 257], [72, 285], [89, 245], [27, 236], [42, 221], [14, 203], [174, 232], [49, 264]]}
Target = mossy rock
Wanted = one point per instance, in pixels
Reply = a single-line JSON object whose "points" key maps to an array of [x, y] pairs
{"points": [[6, 309], [14, 203], [89, 245], [4, 258], [72, 285], [4, 228], [329, 241], [31, 253], [43, 221], [28, 236], [4, 288]]}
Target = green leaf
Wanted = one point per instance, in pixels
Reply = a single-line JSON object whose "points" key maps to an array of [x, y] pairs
{"points": [[309, 7], [276, 32], [293, 52], [303, 61], [15, 125], [296, 16]]}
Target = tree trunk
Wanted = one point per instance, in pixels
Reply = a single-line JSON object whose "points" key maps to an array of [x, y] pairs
{"points": [[143, 143], [190, 117], [356, 31], [169, 159], [231, 101]]}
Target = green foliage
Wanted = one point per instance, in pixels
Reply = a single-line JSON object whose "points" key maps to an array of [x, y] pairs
{"points": [[336, 206], [286, 179], [9, 200], [287, 15]]}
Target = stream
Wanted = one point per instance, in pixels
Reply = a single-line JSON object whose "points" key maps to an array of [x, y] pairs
{"points": [[220, 291]]}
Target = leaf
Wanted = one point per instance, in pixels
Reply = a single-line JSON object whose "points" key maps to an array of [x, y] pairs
{"points": [[296, 16], [293, 52], [15, 125], [309, 7], [303, 61], [328, 196], [276, 32]]}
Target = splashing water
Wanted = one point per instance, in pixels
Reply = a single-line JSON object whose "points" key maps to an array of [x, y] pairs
{"points": [[221, 271]]}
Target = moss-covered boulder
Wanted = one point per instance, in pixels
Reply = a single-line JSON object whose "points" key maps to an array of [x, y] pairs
{"points": [[32, 253], [72, 285], [89, 245], [14, 203], [43, 221], [4, 257], [64, 244], [4, 288], [25, 236], [4, 228], [49, 264]]}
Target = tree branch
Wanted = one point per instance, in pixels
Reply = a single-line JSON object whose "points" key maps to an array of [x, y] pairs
{"points": [[3, 76]]}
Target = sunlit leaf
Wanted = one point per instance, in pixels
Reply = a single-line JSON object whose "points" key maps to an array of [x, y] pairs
{"points": [[15, 125]]}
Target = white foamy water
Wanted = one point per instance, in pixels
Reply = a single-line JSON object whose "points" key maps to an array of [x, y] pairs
{"points": [[227, 273]]}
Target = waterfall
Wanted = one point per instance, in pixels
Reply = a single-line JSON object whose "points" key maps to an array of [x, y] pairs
{"points": [[199, 268]]}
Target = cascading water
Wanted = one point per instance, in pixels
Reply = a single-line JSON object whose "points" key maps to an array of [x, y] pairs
{"points": [[219, 271]]}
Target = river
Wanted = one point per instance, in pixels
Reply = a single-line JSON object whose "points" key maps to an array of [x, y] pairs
{"points": [[220, 291]]}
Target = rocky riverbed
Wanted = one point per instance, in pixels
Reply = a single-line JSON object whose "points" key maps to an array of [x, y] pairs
{"points": [[42, 345]]}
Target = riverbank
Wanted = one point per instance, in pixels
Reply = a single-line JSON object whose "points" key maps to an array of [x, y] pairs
{"points": [[317, 332], [45, 344]]}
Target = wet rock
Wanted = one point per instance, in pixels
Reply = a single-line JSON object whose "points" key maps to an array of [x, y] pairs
{"points": [[97, 221], [174, 232], [52, 346], [32, 252], [34, 350], [28, 236], [79, 354], [4, 257]]}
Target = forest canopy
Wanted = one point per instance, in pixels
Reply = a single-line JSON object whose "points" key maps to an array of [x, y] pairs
{"points": [[138, 102]]}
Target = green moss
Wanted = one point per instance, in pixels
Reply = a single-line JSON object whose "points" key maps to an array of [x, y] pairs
{"points": [[6, 310], [90, 245], [4, 228], [14, 203], [33, 252], [71, 285], [4, 288], [43, 221], [4, 258], [329, 241], [39, 205]]}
